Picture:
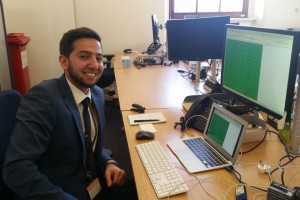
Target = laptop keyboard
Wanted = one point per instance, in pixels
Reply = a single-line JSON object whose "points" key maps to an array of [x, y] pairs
{"points": [[204, 152]]}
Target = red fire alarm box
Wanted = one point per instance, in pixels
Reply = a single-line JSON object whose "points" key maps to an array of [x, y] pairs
{"points": [[19, 63]]}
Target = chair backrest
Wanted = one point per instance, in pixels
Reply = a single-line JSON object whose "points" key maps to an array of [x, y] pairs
{"points": [[108, 76], [9, 103]]}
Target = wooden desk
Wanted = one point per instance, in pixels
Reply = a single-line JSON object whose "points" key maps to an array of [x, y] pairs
{"points": [[154, 86], [217, 183], [162, 89]]}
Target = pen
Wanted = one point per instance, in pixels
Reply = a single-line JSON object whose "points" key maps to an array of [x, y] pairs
{"points": [[145, 120]]}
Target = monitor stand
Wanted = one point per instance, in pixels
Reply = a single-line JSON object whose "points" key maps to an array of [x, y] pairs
{"points": [[257, 128], [211, 84], [199, 66], [198, 69], [213, 71]]}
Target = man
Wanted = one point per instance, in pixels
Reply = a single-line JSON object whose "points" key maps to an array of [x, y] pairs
{"points": [[48, 154]]}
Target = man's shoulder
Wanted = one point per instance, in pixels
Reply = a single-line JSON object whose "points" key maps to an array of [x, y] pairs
{"points": [[46, 84], [50, 86], [96, 89]]}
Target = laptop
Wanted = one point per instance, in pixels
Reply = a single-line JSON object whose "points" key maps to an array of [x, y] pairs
{"points": [[222, 137]]}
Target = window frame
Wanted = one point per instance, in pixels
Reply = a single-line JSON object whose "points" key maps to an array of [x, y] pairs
{"points": [[243, 14]]}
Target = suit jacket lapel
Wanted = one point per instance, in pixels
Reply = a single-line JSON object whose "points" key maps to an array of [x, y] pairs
{"points": [[72, 106]]}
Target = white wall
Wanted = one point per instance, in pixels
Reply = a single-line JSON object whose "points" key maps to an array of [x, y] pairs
{"points": [[44, 21], [121, 24], [5, 81], [281, 14]]}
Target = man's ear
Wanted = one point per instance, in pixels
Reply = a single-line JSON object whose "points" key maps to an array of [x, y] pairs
{"points": [[63, 62]]}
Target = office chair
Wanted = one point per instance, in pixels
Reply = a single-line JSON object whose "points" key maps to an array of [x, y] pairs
{"points": [[108, 75], [9, 103], [107, 81]]}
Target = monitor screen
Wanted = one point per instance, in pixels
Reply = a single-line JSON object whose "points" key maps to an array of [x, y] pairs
{"points": [[155, 45], [260, 67], [196, 39], [155, 29]]}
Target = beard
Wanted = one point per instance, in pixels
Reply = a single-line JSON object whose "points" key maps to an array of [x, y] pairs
{"points": [[78, 79]]}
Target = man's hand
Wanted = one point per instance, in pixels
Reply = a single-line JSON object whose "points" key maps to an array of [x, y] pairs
{"points": [[114, 175]]}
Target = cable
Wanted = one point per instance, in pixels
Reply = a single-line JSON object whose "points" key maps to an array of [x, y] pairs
{"points": [[263, 197], [272, 132], [259, 143], [195, 87], [230, 190], [281, 166], [241, 154], [235, 173], [196, 178], [239, 179], [231, 170], [191, 74], [291, 176], [186, 123], [291, 158], [169, 192]]}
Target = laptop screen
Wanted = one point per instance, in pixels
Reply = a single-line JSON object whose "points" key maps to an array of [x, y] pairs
{"points": [[225, 131]]}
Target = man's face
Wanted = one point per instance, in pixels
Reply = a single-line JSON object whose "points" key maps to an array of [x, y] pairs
{"points": [[84, 65]]}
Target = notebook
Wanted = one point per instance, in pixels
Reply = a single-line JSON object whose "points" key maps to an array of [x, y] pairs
{"points": [[222, 136], [146, 118]]}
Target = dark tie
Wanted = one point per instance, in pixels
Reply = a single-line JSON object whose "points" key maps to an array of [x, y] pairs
{"points": [[90, 164]]}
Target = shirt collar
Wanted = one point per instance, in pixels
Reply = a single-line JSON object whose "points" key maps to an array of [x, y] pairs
{"points": [[79, 96]]}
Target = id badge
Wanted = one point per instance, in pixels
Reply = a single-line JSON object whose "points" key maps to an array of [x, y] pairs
{"points": [[94, 188]]}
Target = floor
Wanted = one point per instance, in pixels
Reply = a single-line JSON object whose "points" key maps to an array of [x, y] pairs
{"points": [[115, 138]]}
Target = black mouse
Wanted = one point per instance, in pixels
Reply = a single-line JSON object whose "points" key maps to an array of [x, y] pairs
{"points": [[144, 135]]}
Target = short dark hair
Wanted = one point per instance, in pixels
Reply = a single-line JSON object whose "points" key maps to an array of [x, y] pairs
{"points": [[66, 43]]}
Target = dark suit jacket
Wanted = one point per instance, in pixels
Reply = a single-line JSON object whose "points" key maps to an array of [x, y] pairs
{"points": [[46, 157]]}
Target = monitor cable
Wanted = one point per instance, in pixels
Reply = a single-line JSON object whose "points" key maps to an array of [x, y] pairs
{"points": [[255, 146]]}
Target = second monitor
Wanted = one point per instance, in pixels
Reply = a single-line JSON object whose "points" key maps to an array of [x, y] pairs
{"points": [[196, 39]]}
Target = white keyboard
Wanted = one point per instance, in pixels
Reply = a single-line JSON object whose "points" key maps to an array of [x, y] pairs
{"points": [[164, 177]]}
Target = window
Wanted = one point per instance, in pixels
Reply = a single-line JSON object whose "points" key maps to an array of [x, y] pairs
{"points": [[180, 9]]}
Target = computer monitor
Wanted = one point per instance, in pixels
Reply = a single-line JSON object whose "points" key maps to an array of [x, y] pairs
{"points": [[155, 45], [196, 39], [260, 67]]}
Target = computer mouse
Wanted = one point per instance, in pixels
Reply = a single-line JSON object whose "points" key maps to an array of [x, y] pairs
{"points": [[144, 135]]}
